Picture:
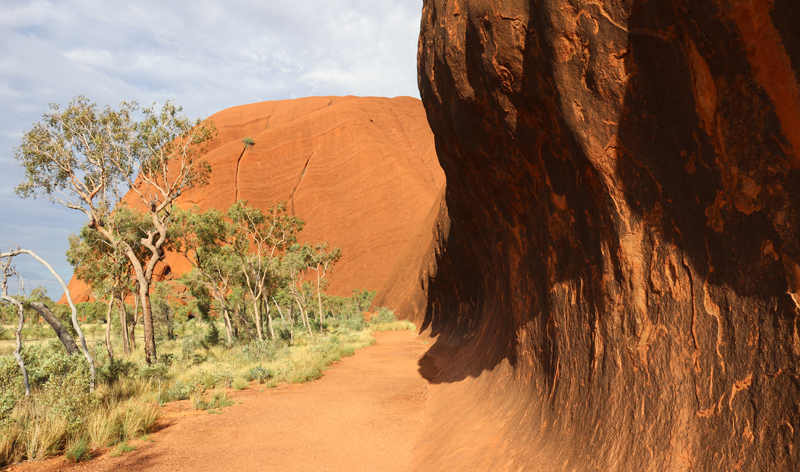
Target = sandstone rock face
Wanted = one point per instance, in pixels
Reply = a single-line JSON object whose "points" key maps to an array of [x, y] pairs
{"points": [[616, 278], [361, 172]]}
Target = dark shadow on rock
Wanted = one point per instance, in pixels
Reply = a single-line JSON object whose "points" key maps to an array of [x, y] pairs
{"points": [[427, 368]]}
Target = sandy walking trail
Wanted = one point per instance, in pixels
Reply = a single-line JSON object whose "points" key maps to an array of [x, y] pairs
{"points": [[364, 414]]}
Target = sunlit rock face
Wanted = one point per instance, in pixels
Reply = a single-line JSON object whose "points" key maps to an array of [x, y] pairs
{"points": [[360, 171], [614, 274]]}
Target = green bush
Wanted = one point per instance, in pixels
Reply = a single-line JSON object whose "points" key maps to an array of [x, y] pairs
{"points": [[384, 315], [49, 359], [259, 373], [174, 391], [68, 396], [240, 383], [8, 399], [189, 347], [153, 371], [111, 372], [213, 379], [212, 334], [259, 351], [10, 375]]}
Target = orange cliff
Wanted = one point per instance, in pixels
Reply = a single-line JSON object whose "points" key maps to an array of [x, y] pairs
{"points": [[361, 172]]}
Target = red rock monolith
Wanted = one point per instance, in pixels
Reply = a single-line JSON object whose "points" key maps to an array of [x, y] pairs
{"points": [[360, 171]]}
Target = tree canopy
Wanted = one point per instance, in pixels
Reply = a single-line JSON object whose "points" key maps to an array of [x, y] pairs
{"points": [[88, 159]]}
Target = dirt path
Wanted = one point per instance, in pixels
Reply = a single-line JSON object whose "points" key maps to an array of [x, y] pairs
{"points": [[364, 414]]}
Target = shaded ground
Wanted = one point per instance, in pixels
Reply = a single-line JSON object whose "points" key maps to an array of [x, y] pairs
{"points": [[364, 414]]}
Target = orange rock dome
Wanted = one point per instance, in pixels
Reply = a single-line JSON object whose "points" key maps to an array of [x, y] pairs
{"points": [[361, 172]]}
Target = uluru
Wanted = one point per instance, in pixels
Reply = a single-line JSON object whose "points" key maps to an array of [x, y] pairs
{"points": [[360, 171]]}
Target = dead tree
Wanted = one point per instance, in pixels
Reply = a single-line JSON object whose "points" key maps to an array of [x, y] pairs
{"points": [[9, 271], [15, 252]]}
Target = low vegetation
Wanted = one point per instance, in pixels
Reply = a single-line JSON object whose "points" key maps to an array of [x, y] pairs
{"points": [[62, 416]]}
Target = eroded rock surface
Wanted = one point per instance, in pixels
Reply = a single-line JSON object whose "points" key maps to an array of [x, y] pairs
{"points": [[616, 275]]}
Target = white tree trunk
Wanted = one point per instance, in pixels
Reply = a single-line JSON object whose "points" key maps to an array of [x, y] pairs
{"points": [[72, 307], [108, 329]]}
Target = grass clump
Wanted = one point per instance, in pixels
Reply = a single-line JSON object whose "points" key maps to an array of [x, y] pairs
{"points": [[385, 320], [240, 383], [78, 450], [215, 401], [122, 448]]}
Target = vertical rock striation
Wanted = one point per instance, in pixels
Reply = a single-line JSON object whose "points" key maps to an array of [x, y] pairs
{"points": [[617, 286]]}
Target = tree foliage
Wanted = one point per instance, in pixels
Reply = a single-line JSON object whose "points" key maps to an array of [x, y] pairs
{"points": [[87, 158], [251, 263]]}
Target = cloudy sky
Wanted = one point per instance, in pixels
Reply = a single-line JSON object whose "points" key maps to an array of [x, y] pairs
{"points": [[205, 55]]}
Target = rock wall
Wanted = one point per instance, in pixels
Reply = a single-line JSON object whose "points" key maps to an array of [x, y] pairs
{"points": [[617, 286]]}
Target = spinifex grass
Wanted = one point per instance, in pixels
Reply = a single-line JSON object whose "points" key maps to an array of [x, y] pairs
{"points": [[78, 450], [62, 413], [35, 431]]}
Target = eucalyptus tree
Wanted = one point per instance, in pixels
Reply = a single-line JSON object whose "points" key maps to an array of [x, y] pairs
{"points": [[259, 240], [87, 159], [106, 269], [322, 261], [204, 239], [295, 265]]}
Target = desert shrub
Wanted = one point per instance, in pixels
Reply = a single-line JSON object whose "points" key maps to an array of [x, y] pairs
{"points": [[284, 333], [240, 383], [166, 358], [40, 426], [258, 351], [353, 323], [218, 399], [174, 391], [383, 315], [190, 345], [9, 373], [212, 334], [48, 359], [8, 399], [116, 369], [259, 373], [153, 371], [68, 396], [209, 379]]}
